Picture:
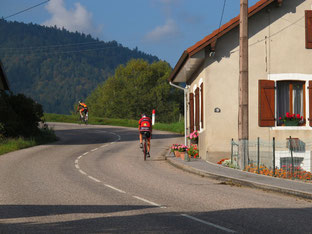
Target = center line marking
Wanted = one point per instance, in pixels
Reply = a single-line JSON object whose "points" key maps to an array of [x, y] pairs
{"points": [[149, 202], [112, 187], [208, 223], [82, 172], [92, 178], [94, 149], [85, 153]]}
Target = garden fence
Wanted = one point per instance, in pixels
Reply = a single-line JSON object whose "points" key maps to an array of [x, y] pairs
{"points": [[287, 159]]}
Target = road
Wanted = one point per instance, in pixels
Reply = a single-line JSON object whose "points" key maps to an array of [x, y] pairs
{"points": [[94, 180]]}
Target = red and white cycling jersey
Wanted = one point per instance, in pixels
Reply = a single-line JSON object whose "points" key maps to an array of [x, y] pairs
{"points": [[145, 124]]}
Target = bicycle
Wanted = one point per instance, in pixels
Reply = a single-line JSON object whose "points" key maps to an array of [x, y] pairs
{"points": [[144, 149], [84, 118]]}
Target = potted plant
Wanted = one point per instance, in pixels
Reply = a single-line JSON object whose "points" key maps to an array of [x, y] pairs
{"points": [[193, 151], [178, 149], [174, 149], [292, 119], [182, 149], [193, 137]]}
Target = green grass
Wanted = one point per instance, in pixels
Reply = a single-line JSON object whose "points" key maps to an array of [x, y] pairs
{"points": [[177, 127], [11, 144]]}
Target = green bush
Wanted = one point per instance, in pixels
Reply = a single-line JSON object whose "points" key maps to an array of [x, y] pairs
{"points": [[20, 115]]}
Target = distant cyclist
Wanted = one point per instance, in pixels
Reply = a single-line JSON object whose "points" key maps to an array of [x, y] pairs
{"points": [[82, 108], [145, 125]]}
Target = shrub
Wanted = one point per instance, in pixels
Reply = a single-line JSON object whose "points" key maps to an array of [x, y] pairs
{"points": [[20, 115]]}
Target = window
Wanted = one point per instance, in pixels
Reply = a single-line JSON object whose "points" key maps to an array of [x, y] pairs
{"points": [[202, 105], [308, 25], [290, 97], [196, 107], [191, 111], [284, 95]]}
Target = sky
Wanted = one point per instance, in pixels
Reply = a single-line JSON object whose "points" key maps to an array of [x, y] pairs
{"points": [[164, 28]]}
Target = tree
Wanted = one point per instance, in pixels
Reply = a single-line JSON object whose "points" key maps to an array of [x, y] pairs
{"points": [[138, 87]]}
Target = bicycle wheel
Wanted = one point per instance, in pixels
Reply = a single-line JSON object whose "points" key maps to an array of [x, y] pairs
{"points": [[79, 120], [144, 148]]}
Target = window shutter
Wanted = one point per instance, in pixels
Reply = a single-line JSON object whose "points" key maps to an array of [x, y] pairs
{"points": [[266, 103], [191, 112], [308, 25], [197, 109], [310, 103], [202, 104]]}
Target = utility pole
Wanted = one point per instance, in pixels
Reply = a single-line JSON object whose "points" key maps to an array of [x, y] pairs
{"points": [[243, 84]]}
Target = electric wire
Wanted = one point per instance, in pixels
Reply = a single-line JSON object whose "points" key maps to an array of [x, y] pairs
{"points": [[57, 52], [224, 3], [50, 46], [26, 9]]}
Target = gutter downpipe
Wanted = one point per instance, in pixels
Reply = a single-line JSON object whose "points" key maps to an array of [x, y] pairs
{"points": [[185, 114]]}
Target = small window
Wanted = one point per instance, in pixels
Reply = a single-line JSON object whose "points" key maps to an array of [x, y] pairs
{"points": [[290, 97], [308, 28]]}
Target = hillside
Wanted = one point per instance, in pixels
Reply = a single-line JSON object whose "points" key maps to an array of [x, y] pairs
{"points": [[57, 67]]}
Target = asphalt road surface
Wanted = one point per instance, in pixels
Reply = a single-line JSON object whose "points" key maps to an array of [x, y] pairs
{"points": [[94, 180]]}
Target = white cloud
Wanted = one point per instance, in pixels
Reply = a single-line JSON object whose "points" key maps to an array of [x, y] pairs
{"points": [[76, 19], [168, 30]]}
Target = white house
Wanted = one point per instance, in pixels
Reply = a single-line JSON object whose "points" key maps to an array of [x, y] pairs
{"points": [[280, 78]]}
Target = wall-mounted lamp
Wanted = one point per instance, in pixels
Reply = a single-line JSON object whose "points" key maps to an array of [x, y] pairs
{"points": [[217, 110]]}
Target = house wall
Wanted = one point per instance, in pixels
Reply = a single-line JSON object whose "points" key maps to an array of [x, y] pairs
{"points": [[276, 46]]}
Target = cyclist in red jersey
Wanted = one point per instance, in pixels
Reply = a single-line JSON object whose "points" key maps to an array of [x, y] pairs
{"points": [[145, 125], [82, 108]]}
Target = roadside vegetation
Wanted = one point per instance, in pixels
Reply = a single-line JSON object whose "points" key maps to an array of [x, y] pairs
{"points": [[19, 123], [11, 144], [177, 127], [135, 88]]}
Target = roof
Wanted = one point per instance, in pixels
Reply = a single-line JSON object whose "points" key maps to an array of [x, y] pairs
{"points": [[3, 80], [211, 38]]}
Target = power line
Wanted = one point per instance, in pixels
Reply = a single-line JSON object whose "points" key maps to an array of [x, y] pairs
{"points": [[222, 13], [26, 9], [51, 46], [31, 53]]}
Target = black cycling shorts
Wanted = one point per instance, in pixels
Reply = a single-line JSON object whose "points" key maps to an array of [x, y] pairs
{"points": [[146, 133]]}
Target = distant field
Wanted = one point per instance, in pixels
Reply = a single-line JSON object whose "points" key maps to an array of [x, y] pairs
{"points": [[177, 127]]}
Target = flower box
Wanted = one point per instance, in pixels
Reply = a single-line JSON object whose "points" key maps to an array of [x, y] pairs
{"points": [[291, 122], [292, 119]]}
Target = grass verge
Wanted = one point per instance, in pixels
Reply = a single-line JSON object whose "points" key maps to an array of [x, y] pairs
{"points": [[11, 144], [177, 127]]}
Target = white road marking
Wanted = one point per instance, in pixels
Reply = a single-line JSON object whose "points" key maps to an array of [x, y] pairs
{"points": [[77, 166], [82, 172], [85, 153], [112, 187], [76, 161], [208, 223], [95, 179], [95, 149], [149, 202]]}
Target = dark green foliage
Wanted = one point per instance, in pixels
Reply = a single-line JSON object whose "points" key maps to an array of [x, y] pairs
{"points": [[19, 116], [138, 87], [56, 67]]}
